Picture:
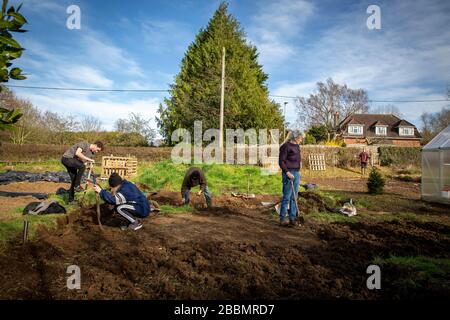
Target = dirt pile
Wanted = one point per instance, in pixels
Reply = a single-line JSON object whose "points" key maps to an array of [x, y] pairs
{"points": [[234, 251]]}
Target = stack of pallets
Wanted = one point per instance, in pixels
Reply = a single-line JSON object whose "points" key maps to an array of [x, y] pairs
{"points": [[126, 167]]}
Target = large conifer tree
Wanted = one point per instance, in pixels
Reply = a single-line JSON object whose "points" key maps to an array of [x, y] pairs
{"points": [[195, 95]]}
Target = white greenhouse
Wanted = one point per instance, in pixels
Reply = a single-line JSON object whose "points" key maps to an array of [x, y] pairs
{"points": [[436, 168]]}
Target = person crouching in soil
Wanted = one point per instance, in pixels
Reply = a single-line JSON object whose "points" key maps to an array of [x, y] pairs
{"points": [[127, 199], [194, 177], [290, 163]]}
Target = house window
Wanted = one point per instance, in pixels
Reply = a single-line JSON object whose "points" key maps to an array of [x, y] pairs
{"points": [[406, 131], [355, 129], [380, 130]]}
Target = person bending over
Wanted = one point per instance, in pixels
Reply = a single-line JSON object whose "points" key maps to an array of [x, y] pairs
{"points": [[194, 177], [75, 158], [127, 199]]}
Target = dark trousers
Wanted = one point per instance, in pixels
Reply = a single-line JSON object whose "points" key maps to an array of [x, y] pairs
{"points": [[75, 168]]}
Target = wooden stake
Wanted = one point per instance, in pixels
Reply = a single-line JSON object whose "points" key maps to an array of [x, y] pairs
{"points": [[97, 202], [25, 231]]}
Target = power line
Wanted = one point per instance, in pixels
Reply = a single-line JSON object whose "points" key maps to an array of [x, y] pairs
{"points": [[376, 101], [85, 89], [165, 90]]}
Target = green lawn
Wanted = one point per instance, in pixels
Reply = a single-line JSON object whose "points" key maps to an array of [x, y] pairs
{"points": [[221, 178]]}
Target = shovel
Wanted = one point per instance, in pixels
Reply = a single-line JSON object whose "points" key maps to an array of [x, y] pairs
{"points": [[85, 188], [301, 219]]}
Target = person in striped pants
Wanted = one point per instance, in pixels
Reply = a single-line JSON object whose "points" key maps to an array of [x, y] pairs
{"points": [[128, 200]]}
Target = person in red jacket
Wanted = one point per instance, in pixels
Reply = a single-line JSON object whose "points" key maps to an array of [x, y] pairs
{"points": [[364, 157]]}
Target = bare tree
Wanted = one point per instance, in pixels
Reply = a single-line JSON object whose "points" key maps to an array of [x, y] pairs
{"points": [[27, 126], [387, 109], [90, 124], [433, 123], [58, 126], [330, 100], [137, 124]]}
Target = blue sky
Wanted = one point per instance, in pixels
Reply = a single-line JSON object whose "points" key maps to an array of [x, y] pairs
{"points": [[140, 44]]}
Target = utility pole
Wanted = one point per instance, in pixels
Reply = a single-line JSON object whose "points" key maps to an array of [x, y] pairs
{"points": [[222, 94], [284, 123]]}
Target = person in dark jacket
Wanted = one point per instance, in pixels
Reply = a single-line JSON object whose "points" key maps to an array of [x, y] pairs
{"points": [[290, 163], [75, 158], [128, 200], [194, 177], [364, 157]]}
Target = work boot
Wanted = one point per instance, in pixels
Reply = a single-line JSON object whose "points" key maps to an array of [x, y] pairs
{"points": [[284, 223], [292, 223]]}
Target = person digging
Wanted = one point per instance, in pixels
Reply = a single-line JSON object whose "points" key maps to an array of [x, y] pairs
{"points": [[289, 161], [75, 159], [194, 177], [128, 201]]}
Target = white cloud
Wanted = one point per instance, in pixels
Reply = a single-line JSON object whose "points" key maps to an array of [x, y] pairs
{"points": [[273, 29], [166, 36], [87, 74], [107, 110], [406, 60], [107, 55]]}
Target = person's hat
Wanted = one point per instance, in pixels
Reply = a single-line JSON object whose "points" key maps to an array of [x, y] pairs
{"points": [[114, 180]]}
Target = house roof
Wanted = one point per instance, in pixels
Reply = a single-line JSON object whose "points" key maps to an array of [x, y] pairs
{"points": [[369, 121], [404, 123], [379, 123], [441, 141]]}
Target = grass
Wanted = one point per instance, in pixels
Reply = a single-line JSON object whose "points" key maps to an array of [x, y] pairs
{"points": [[221, 178], [168, 209], [35, 167], [420, 273], [427, 265]]}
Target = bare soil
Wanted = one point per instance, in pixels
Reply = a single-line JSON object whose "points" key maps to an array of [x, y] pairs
{"points": [[8, 204], [38, 186], [234, 251]]}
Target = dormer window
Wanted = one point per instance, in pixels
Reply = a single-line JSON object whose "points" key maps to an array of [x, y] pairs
{"points": [[406, 131], [381, 130], [355, 129]]}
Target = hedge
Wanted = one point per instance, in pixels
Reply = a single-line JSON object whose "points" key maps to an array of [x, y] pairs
{"points": [[400, 156]]}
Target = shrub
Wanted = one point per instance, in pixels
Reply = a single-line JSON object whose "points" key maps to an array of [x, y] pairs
{"points": [[376, 182], [319, 132], [400, 156], [309, 139]]}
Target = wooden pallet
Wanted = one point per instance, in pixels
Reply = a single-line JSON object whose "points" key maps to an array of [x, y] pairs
{"points": [[317, 162], [271, 165], [126, 167]]}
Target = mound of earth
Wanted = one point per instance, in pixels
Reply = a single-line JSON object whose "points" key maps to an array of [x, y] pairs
{"points": [[235, 250]]}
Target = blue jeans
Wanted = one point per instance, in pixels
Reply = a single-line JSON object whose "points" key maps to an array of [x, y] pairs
{"points": [[205, 192], [288, 196]]}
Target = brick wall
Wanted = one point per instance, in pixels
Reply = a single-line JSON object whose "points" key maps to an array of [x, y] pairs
{"points": [[406, 143]]}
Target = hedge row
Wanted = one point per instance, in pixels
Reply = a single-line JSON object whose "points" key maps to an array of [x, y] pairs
{"points": [[400, 156], [334, 156], [43, 152]]}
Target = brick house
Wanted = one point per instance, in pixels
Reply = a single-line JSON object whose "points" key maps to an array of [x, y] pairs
{"points": [[367, 129]]}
